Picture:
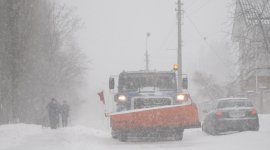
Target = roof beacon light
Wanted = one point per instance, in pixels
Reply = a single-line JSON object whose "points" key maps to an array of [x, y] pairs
{"points": [[175, 67]]}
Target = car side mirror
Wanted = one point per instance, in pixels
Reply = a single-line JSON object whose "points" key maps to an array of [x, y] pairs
{"points": [[205, 111], [111, 83], [185, 83]]}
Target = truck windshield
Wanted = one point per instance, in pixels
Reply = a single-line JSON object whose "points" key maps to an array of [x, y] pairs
{"points": [[148, 82]]}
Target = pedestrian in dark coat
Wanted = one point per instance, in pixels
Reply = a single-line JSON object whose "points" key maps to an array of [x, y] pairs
{"points": [[58, 115], [53, 111], [65, 113]]}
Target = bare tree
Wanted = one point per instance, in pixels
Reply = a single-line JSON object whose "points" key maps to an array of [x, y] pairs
{"points": [[40, 58], [209, 87], [251, 36]]}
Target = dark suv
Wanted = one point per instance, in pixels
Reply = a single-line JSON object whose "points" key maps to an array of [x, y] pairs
{"points": [[230, 114]]}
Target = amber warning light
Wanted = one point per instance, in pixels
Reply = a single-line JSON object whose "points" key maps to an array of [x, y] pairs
{"points": [[175, 67]]}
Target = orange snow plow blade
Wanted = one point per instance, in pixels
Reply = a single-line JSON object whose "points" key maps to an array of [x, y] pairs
{"points": [[179, 116]]}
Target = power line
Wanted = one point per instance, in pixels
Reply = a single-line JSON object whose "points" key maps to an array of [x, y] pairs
{"points": [[187, 1], [190, 5], [160, 47], [158, 57], [173, 38], [209, 44], [163, 43], [199, 8], [207, 36]]}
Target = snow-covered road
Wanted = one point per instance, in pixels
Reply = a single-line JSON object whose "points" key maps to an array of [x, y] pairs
{"points": [[32, 137]]}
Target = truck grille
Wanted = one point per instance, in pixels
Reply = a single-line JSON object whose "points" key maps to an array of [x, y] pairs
{"points": [[150, 102]]}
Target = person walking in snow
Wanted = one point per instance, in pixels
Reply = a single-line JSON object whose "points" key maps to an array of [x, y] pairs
{"points": [[58, 115], [65, 113], [53, 111]]}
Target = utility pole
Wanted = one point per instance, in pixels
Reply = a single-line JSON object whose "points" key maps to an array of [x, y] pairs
{"points": [[179, 55], [146, 54]]}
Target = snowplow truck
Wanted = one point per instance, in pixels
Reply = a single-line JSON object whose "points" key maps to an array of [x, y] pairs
{"points": [[148, 105]]}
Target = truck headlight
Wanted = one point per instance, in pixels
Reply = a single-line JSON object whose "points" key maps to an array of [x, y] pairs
{"points": [[122, 98], [182, 97]]}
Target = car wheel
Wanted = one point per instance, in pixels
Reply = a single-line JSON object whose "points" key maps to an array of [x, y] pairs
{"points": [[203, 127], [114, 134], [215, 131], [206, 130], [122, 137], [254, 129]]}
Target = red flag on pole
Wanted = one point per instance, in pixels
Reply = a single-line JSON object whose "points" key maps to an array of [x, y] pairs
{"points": [[100, 94]]}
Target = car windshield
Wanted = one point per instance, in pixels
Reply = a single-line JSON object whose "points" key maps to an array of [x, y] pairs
{"points": [[234, 103], [148, 82]]}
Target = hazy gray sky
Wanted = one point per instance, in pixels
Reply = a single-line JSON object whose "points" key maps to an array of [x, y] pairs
{"points": [[114, 37]]}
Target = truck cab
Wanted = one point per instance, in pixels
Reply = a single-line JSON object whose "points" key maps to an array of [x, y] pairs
{"points": [[145, 89]]}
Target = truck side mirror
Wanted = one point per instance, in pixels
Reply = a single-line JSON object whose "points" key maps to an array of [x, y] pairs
{"points": [[185, 83], [111, 83]]}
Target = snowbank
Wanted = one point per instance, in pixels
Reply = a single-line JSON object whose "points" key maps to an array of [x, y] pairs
{"points": [[14, 134], [83, 138], [33, 137], [264, 122]]}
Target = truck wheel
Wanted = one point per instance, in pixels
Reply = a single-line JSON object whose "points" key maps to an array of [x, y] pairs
{"points": [[122, 137], [114, 134], [178, 135]]}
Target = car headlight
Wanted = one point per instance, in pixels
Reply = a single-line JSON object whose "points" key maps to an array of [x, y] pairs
{"points": [[182, 97], [122, 98]]}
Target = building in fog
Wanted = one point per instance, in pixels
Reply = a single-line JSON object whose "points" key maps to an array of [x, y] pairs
{"points": [[251, 34]]}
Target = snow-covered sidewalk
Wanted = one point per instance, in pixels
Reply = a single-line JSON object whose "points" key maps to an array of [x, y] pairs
{"points": [[33, 137], [15, 134]]}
